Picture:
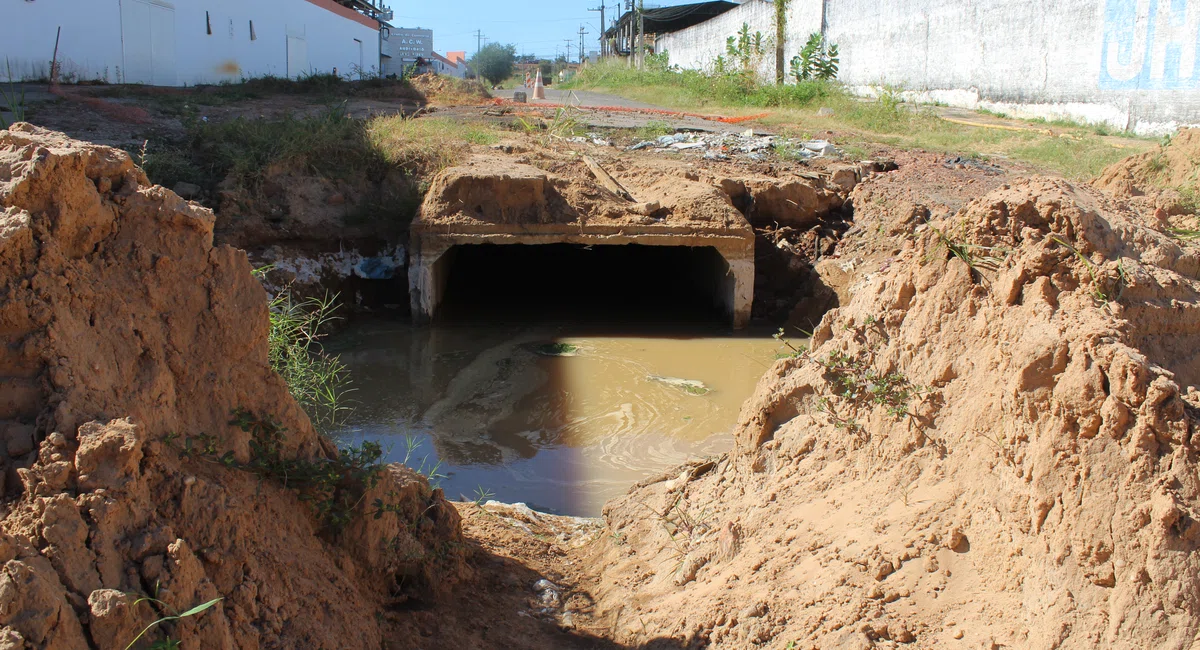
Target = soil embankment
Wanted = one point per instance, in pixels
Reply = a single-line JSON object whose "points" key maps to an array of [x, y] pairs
{"points": [[129, 341], [991, 443]]}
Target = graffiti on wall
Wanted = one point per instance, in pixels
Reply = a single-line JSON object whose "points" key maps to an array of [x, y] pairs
{"points": [[1150, 44]]}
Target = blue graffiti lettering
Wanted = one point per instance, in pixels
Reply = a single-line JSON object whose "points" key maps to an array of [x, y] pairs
{"points": [[1150, 45]]}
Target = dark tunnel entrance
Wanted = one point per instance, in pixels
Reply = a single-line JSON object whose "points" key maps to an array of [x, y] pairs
{"points": [[591, 284]]}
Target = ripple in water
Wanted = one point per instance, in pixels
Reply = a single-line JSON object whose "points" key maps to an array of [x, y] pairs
{"points": [[564, 434]]}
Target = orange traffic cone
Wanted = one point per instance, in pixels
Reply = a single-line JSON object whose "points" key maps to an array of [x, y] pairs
{"points": [[539, 91]]}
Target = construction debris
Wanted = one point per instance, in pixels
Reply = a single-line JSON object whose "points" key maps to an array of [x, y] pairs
{"points": [[723, 146]]}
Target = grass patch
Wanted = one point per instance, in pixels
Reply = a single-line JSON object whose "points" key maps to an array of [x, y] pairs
{"points": [[426, 144], [1078, 152], [318, 88], [653, 129], [694, 89]]}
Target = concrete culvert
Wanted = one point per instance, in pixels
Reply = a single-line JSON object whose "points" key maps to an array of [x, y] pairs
{"points": [[589, 283]]}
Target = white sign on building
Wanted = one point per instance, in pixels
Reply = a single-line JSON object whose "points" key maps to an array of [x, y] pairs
{"points": [[408, 44]]}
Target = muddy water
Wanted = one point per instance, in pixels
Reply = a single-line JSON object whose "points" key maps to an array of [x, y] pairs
{"points": [[494, 410]]}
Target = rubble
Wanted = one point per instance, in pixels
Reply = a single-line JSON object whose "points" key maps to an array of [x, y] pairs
{"points": [[724, 146]]}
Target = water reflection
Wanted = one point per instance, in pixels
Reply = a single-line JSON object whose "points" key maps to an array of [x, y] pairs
{"points": [[561, 433]]}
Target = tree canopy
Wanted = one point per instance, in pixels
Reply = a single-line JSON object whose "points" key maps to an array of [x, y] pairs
{"points": [[494, 62]]}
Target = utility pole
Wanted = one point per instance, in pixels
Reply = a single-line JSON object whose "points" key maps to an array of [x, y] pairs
{"points": [[581, 33], [603, 48], [627, 36], [569, 44], [641, 54], [478, 40]]}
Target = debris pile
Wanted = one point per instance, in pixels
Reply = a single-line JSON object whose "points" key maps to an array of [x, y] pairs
{"points": [[724, 146]]}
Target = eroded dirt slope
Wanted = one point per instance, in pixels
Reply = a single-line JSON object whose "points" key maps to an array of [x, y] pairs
{"points": [[128, 335], [992, 443]]}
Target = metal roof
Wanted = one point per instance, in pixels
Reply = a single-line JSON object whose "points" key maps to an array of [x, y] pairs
{"points": [[672, 19]]}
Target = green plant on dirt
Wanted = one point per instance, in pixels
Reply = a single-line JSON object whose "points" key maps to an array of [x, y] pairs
{"points": [[816, 60], [167, 643], [494, 62], [681, 526], [793, 351], [1185, 234], [425, 468], [857, 384], [331, 143], [564, 124], [319, 382], [333, 487], [653, 129], [12, 98], [482, 496], [977, 258], [1104, 289]]}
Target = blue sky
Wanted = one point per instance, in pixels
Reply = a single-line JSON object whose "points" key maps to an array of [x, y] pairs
{"points": [[535, 26]]}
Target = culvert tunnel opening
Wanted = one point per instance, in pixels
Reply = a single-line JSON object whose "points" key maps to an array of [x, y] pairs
{"points": [[586, 284]]}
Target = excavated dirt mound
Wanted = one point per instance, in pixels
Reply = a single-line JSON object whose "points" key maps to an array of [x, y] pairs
{"points": [[440, 90], [128, 340], [1175, 165], [992, 443]]}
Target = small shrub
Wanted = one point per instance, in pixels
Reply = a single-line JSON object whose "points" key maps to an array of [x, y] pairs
{"points": [[817, 60]]}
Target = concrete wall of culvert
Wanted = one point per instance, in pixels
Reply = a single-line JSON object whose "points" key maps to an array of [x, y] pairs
{"points": [[1126, 63], [184, 42]]}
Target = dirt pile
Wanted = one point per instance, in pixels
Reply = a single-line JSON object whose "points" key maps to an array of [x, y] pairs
{"points": [[991, 443], [128, 341], [441, 90], [1176, 164]]}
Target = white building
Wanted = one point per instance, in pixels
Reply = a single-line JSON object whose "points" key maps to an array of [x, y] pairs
{"points": [[185, 42]]}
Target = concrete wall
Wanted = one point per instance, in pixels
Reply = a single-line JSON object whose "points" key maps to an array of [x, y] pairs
{"points": [[697, 47], [1127, 63], [168, 42]]}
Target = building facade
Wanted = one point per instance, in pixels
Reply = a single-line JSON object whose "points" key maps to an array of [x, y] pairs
{"points": [[185, 42]]}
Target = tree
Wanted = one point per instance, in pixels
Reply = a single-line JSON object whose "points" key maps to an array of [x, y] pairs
{"points": [[781, 7], [494, 62]]}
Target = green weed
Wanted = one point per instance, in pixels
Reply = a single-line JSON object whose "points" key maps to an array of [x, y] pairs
{"points": [[12, 98], [318, 381], [1103, 290], [168, 643], [793, 351], [858, 384], [1186, 234], [653, 129], [977, 258], [332, 487]]}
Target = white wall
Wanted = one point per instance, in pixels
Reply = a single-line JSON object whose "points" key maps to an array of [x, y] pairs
{"points": [[1128, 63], [91, 44], [1122, 62], [698, 46]]}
